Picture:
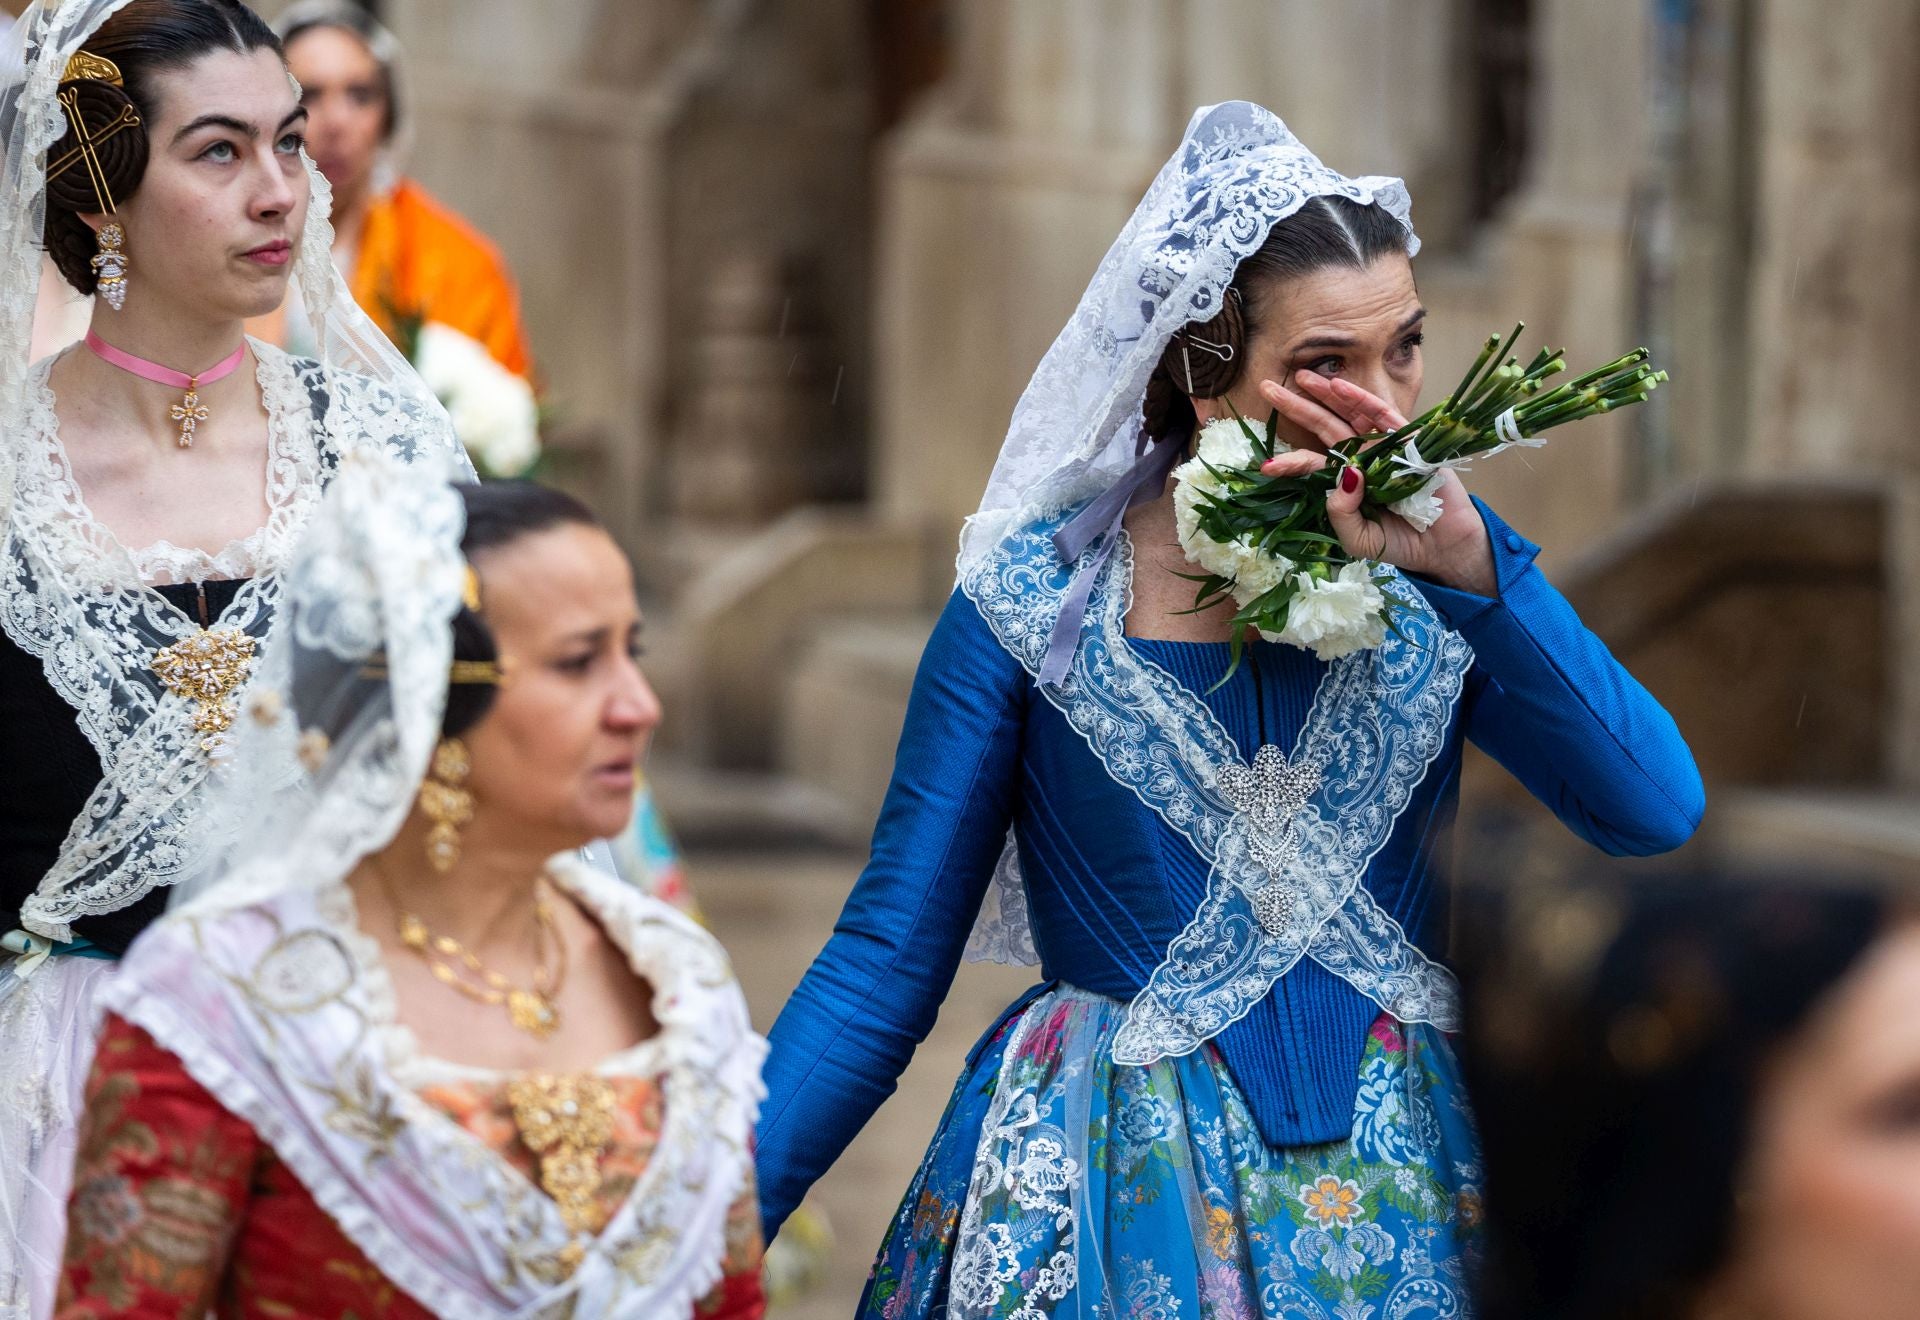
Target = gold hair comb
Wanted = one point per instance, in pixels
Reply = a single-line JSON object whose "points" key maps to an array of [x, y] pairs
{"points": [[84, 64]]}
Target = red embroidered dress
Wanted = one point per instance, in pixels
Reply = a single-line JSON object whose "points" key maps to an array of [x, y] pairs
{"points": [[263, 1139], [179, 1209]]}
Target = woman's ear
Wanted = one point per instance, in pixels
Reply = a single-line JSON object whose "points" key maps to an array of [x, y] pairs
{"points": [[95, 219], [1207, 410]]}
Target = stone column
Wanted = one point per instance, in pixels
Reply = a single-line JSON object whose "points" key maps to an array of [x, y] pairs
{"points": [[622, 154], [1836, 216]]}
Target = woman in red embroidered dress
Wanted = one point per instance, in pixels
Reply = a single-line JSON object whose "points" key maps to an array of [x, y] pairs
{"points": [[409, 1055]]}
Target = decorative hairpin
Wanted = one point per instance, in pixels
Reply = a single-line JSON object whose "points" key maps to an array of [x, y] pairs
{"points": [[85, 66]]}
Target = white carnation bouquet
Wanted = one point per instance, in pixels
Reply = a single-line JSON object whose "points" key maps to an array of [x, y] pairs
{"points": [[1266, 542], [494, 411]]}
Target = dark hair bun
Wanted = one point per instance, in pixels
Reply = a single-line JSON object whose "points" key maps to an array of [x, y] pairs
{"points": [[119, 145], [1201, 361]]}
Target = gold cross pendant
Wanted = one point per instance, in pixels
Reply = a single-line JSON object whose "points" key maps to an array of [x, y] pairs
{"points": [[206, 668], [189, 412]]}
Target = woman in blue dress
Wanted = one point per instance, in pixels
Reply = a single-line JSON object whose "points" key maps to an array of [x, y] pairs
{"points": [[1234, 1094]]}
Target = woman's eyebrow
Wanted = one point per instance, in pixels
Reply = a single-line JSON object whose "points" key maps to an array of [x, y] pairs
{"points": [[237, 125], [1348, 341]]}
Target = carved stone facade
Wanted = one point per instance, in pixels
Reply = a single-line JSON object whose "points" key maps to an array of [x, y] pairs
{"points": [[678, 185]]}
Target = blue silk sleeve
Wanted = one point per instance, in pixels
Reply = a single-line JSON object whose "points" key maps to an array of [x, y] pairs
{"points": [[870, 997], [1552, 705]]}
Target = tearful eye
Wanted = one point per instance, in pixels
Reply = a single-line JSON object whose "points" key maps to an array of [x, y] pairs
{"points": [[1326, 366]]}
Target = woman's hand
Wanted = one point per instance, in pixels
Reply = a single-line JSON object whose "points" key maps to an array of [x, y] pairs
{"points": [[1454, 551]]}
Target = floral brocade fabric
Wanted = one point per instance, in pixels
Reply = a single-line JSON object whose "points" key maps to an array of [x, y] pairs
{"points": [[179, 1209], [1060, 1183]]}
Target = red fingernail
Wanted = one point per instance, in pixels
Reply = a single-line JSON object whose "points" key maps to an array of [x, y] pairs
{"points": [[1350, 480]]}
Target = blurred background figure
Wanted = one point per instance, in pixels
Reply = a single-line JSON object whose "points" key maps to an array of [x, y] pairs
{"points": [[1700, 1099], [437, 287], [407, 256]]}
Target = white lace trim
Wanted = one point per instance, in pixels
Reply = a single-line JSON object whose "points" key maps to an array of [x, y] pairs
{"points": [[268, 1007], [71, 595], [99, 560], [165, 564], [661, 962], [1378, 721]]}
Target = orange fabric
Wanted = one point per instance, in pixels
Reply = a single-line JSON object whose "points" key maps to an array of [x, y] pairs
{"points": [[179, 1210], [418, 258]]}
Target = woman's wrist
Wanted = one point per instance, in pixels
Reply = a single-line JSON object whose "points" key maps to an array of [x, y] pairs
{"points": [[1469, 567]]}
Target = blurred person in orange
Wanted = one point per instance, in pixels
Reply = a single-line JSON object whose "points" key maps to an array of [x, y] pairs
{"points": [[408, 258]]}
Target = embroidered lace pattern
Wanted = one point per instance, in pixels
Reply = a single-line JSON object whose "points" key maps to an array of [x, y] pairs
{"points": [[1378, 720], [305, 1053], [77, 599]]}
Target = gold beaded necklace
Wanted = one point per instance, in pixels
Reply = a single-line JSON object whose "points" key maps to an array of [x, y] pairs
{"points": [[531, 1009]]}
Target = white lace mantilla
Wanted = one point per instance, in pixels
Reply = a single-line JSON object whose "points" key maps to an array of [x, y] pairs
{"points": [[283, 1011], [1288, 875], [80, 601]]}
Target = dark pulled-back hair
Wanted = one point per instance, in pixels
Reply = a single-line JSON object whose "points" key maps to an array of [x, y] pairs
{"points": [[145, 39], [1326, 232], [1617, 1035], [498, 514]]}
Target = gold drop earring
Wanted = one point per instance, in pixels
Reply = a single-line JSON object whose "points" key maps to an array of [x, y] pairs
{"points": [[445, 801]]}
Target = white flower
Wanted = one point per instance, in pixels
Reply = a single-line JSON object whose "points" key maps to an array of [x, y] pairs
{"points": [[493, 410], [1340, 616], [1258, 575], [1223, 442], [1424, 507]]}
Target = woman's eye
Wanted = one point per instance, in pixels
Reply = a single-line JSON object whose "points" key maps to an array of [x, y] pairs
{"points": [[1410, 343], [1326, 366], [575, 664], [219, 151], [293, 144]]}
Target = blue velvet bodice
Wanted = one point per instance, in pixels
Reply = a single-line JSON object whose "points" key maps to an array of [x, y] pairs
{"points": [[1110, 883]]}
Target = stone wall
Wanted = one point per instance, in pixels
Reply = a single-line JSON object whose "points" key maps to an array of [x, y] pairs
{"points": [[651, 171]]}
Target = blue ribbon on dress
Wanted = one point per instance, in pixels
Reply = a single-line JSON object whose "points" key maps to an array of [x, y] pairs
{"points": [[31, 951], [1098, 526]]}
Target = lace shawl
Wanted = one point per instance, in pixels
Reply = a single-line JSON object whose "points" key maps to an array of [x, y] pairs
{"points": [[1378, 721], [283, 1011], [75, 598]]}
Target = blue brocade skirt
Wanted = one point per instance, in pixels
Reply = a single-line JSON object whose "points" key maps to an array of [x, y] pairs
{"points": [[1062, 1184]]}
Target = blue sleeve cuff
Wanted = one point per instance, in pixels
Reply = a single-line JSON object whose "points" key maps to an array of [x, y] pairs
{"points": [[1513, 573]]}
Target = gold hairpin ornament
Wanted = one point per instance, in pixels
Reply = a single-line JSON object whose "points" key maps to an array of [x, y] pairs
{"points": [[478, 671], [84, 64], [470, 590], [493, 672]]}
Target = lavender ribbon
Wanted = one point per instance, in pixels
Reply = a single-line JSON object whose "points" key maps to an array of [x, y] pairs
{"points": [[1098, 526]]}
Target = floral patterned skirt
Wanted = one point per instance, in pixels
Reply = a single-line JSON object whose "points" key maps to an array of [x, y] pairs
{"points": [[1060, 1183]]}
